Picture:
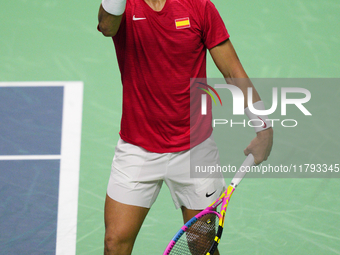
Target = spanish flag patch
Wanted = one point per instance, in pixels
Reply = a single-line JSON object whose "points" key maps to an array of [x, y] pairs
{"points": [[182, 23]]}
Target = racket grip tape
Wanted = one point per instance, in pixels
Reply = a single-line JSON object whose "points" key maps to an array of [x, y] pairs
{"points": [[248, 162]]}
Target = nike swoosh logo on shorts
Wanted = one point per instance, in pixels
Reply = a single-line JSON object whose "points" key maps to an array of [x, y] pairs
{"points": [[209, 195], [134, 18]]}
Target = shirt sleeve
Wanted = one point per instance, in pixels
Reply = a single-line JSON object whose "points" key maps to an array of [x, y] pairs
{"points": [[214, 30]]}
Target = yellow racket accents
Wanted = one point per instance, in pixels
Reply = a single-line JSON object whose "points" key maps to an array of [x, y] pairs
{"points": [[226, 198]]}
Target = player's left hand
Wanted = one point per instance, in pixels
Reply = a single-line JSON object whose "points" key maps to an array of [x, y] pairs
{"points": [[261, 145]]}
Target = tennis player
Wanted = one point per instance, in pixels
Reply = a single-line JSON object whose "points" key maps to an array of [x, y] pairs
{"points": [[160, 45]]}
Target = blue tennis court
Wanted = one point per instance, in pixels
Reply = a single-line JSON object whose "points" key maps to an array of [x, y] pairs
{"points": [[33, 161], [29, 208]]}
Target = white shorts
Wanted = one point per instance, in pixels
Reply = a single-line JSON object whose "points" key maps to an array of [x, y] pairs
{"points": [[137, 176]]}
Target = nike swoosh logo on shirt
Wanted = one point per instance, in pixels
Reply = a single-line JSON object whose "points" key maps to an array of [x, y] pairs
{"points": [[209, 195], [134, 18]]}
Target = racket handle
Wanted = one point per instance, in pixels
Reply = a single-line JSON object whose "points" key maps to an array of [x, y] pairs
{"points": [[248, 162]]}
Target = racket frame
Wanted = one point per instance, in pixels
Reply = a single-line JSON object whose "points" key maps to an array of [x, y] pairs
{"points": [[187, 225], [224, 200]]}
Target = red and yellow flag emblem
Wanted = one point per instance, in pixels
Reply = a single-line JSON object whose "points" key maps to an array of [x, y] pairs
{"points": [[182, 23]]}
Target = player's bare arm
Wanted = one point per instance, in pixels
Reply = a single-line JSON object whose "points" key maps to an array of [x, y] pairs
{"points": [[108, 23], [226, 60]]}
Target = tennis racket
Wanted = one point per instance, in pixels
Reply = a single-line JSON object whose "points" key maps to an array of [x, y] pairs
{"points": [[201, 234]]}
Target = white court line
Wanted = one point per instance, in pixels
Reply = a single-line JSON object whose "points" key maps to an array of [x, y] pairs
{"points": [[69, 168], [37, 84], [30, 157], [69, 161]]}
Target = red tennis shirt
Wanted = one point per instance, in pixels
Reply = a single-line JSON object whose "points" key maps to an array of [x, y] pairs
{"points": [[158, 53]]}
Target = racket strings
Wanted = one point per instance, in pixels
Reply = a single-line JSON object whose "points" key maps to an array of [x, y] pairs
{"points": [[198, 238]]}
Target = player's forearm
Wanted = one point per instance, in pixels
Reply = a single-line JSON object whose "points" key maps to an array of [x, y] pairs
{"points": [[227, 61], [236, 75], [108, 23], [244, 84]]}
